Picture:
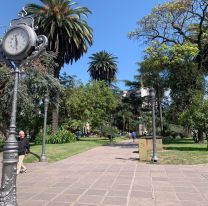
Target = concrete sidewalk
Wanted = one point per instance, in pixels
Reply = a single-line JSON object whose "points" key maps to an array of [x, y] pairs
{"points": [[112, 175]]}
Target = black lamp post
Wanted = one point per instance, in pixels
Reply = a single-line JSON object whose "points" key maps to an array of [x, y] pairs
{"points": [[20, 45], [46, 101], [152, 95]]}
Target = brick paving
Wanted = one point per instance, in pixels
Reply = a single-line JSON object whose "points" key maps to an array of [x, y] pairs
{"points": [[112, 176]]}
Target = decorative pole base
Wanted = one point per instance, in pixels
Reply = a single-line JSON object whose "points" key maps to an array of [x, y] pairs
{"points": [[43, 158], [9, 173], [154, 158]]}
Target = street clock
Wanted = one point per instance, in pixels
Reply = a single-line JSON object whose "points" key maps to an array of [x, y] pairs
{"points": [[19, 41]]}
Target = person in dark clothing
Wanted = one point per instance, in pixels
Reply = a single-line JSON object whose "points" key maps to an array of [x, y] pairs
{"points": [[133, 135], [23, 149]]}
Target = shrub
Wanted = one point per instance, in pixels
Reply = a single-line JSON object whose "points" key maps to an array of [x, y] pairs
{"points": [[60, 137], [108, 130]]}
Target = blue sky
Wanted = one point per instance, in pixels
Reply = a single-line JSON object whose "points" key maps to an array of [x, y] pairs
{"points": [[111, 20]]}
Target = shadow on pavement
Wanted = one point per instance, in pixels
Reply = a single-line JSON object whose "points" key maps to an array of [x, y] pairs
{"points": [[124, 145], [131, 158]]}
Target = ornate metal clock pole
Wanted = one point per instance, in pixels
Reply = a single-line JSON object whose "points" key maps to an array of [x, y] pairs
{"points": [[19, 46]]}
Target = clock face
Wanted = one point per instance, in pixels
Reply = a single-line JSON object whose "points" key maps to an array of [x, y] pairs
{"points": [[16, 41]]}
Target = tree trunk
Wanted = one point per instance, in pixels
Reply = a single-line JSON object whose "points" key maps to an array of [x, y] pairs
{"points": [[54, 120], [200, 136], [55, 115], [55, 111]]}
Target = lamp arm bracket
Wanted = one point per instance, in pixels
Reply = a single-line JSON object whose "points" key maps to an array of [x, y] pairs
{"points": [[41, 44]]}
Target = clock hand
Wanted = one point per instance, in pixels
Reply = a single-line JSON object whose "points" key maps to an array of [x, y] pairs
{"points": [[16, 42]]}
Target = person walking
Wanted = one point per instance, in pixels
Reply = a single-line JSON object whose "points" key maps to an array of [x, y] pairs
{"points": [[23, 149], [133, 135]]}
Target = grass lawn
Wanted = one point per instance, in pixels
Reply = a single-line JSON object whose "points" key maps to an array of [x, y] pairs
{"points": [[183, 151], [55, 152]]}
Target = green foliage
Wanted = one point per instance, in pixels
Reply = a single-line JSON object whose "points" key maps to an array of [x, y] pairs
{"points": [[123, 117], [180, 30], [60, 137], [69, 81], [91, 103], [108, 130], [37, 80], [75, 124], [5, 97], [183, 53], [2, 140], [175, 22], [196, 114], [173, 131], [184, 81], [39, 136], [172, 67], [68, 33]]}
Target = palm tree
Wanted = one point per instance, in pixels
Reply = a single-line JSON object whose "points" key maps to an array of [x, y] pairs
{"points": [[103, 66], [68, 33]]}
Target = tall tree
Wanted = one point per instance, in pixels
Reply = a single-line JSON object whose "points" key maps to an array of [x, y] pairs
{"points": [[177, 22], [90, 103], [103, 66], [196, 115], [172, 67], [153, 71], [134, 103], [68, 33], [35, 82], [184, 79]]}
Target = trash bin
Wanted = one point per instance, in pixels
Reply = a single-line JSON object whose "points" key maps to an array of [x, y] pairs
{"points": [[146, 145]]}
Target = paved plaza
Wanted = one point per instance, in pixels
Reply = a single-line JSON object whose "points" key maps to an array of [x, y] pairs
{"points": [[112, 175]]}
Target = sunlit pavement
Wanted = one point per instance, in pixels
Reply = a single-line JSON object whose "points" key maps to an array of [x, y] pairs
{"points": [[112, 175]]}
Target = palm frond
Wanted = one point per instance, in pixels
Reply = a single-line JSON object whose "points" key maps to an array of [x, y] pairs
{"points": [[68, 33]]}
